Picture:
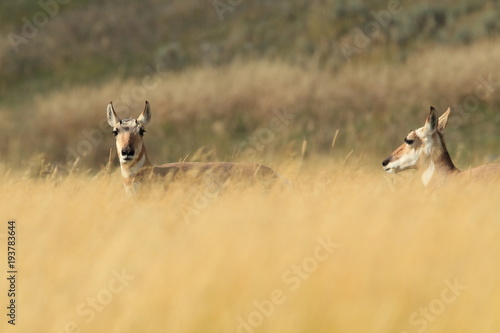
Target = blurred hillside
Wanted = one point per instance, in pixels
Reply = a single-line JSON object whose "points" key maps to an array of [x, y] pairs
{"points": [[86, 40], [334, 63]]}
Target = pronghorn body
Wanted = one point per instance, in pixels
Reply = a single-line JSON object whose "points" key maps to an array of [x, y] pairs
{"points": [[136, 166], [425, 150]]}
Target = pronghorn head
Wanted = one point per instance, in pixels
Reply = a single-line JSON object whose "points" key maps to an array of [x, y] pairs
{"points": [[418, 145], [129, 133]]}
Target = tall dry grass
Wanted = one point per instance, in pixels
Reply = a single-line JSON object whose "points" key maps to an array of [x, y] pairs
{"points": [[373, 105], [399, 259], [347, 249]]}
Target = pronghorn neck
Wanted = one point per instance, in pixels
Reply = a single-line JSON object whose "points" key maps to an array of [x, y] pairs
{"points": [[438, 165], [132, 170]]}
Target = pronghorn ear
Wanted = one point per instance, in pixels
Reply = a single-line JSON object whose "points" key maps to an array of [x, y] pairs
{"points": [[443, 120], [431, 122], [113, 119], [145, 116]]}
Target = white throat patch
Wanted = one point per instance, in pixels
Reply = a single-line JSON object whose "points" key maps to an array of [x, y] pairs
{"points": [[428, 173], [133, 170]]}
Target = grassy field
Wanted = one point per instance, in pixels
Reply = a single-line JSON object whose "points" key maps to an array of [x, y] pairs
{"points": [[216, 82], [302, 86], [226, 111], [346, 250]]}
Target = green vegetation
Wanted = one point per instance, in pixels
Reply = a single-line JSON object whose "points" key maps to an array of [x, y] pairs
{"points": [[179, 34], [268, 83], [222, 73]]}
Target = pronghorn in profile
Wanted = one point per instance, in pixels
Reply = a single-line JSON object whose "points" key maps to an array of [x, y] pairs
{"points": [[135, 164], [424, 149]]}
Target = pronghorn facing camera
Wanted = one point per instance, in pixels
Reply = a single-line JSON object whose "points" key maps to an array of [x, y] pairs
{"points": [[424, 149], [136, 167]]}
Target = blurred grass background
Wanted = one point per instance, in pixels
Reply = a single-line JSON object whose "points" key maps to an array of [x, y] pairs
{"points": [[200, 264], [217, 82], [219, 90]]}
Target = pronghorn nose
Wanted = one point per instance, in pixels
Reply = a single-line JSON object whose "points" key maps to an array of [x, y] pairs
{"points": [[386, 161], [128, 151]]}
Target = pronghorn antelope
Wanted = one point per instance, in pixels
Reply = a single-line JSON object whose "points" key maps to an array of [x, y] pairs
{"points": [[424, 149], [136, 167]]}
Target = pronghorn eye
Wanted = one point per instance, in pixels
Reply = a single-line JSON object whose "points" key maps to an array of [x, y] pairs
{"points": [[408, 141], [142, 131], [115, 132]]}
